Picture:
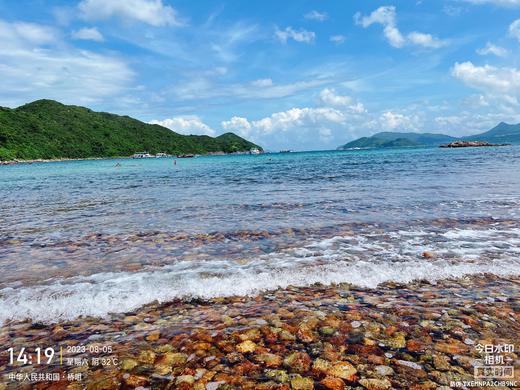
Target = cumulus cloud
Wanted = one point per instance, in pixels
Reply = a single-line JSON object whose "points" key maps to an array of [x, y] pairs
{"points": [[329, 97], [502, 83], [89, 34], [152, 12], [303, 128], [386, 16], [492, 49], [299, 36], [391, 121], [284, 121], [514, 29], [315, 15], [338, 39], [238, 124], [35, 63], [186, 125]]}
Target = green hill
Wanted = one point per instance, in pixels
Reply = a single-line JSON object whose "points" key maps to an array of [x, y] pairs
{"points": [[500, 134], [46, 129], [389, 139]]}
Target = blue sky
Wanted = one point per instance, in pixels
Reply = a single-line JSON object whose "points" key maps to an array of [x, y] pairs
{"points": [[289, 75]]}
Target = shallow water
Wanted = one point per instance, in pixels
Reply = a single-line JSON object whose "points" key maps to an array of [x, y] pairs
{"points": [[90, 238]]}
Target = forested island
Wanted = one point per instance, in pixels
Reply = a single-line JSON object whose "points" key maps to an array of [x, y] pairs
{"points": [[46, 129]]}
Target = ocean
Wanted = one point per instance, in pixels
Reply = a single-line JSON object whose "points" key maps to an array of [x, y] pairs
{"points": [[98, 237]]}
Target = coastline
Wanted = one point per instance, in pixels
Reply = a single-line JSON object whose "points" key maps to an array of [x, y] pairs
{"points": [[419, 335], [32, 161]]}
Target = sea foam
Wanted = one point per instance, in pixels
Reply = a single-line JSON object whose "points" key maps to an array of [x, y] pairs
{"points": [[365, 261]]}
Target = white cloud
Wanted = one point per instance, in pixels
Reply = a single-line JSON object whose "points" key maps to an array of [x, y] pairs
{"points": [[493, 49], [186, 125], [91, 34], [514, 29], [315, 15], [425, 40], [501, 83], [35, 64], [299, 36], [391, 121], [22, 33], [285, 120], [503, 3], [152, 12], [262, 83], [386, 16], [301, 128], [329, 97], [338, 39], [237, 124]]}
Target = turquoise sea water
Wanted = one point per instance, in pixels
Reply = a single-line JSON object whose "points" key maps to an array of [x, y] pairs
{"points": [[91, 238]]}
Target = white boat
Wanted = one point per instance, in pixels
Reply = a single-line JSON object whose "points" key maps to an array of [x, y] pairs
{"points": [[160, 155], [142, 155], [254, 151]]}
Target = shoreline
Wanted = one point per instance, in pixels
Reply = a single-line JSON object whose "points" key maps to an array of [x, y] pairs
{"points": [[419, 335], [33, 161]]}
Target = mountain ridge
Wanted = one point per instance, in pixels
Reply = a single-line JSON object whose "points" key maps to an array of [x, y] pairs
{"points": [[47, 129], [502, 133]]}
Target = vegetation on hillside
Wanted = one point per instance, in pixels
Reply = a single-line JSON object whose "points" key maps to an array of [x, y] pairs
{"points": [[46, 129], [502, 133]]}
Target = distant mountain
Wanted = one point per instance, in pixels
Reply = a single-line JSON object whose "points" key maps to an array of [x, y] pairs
{"points": [[502, 133], [46, 129], [390, 139]]}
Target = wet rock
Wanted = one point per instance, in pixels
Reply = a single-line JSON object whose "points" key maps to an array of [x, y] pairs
{"points": [[384, 370], [146, 357], [298, 362], [333, 383], [128, 364], [327, 331], [176, 359], [279, 376], [375, 384], [189, 379], [343, 370], [301, 383], [269, 359], [305, 333], [286, 335], [153, 336], [441, 362], [246, 346], [135, 381], [398, 341]]}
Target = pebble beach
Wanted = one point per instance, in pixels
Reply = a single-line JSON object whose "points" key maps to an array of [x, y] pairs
{"points": [[319, 270], [414, 336]]}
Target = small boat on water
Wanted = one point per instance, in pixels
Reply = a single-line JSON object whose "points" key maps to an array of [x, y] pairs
{"points": [[142, 155], [286, 151], [161, 155], [185, 155], [254, 151]]}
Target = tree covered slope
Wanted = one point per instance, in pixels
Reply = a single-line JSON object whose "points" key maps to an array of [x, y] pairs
{"points": [[46, 129]]}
